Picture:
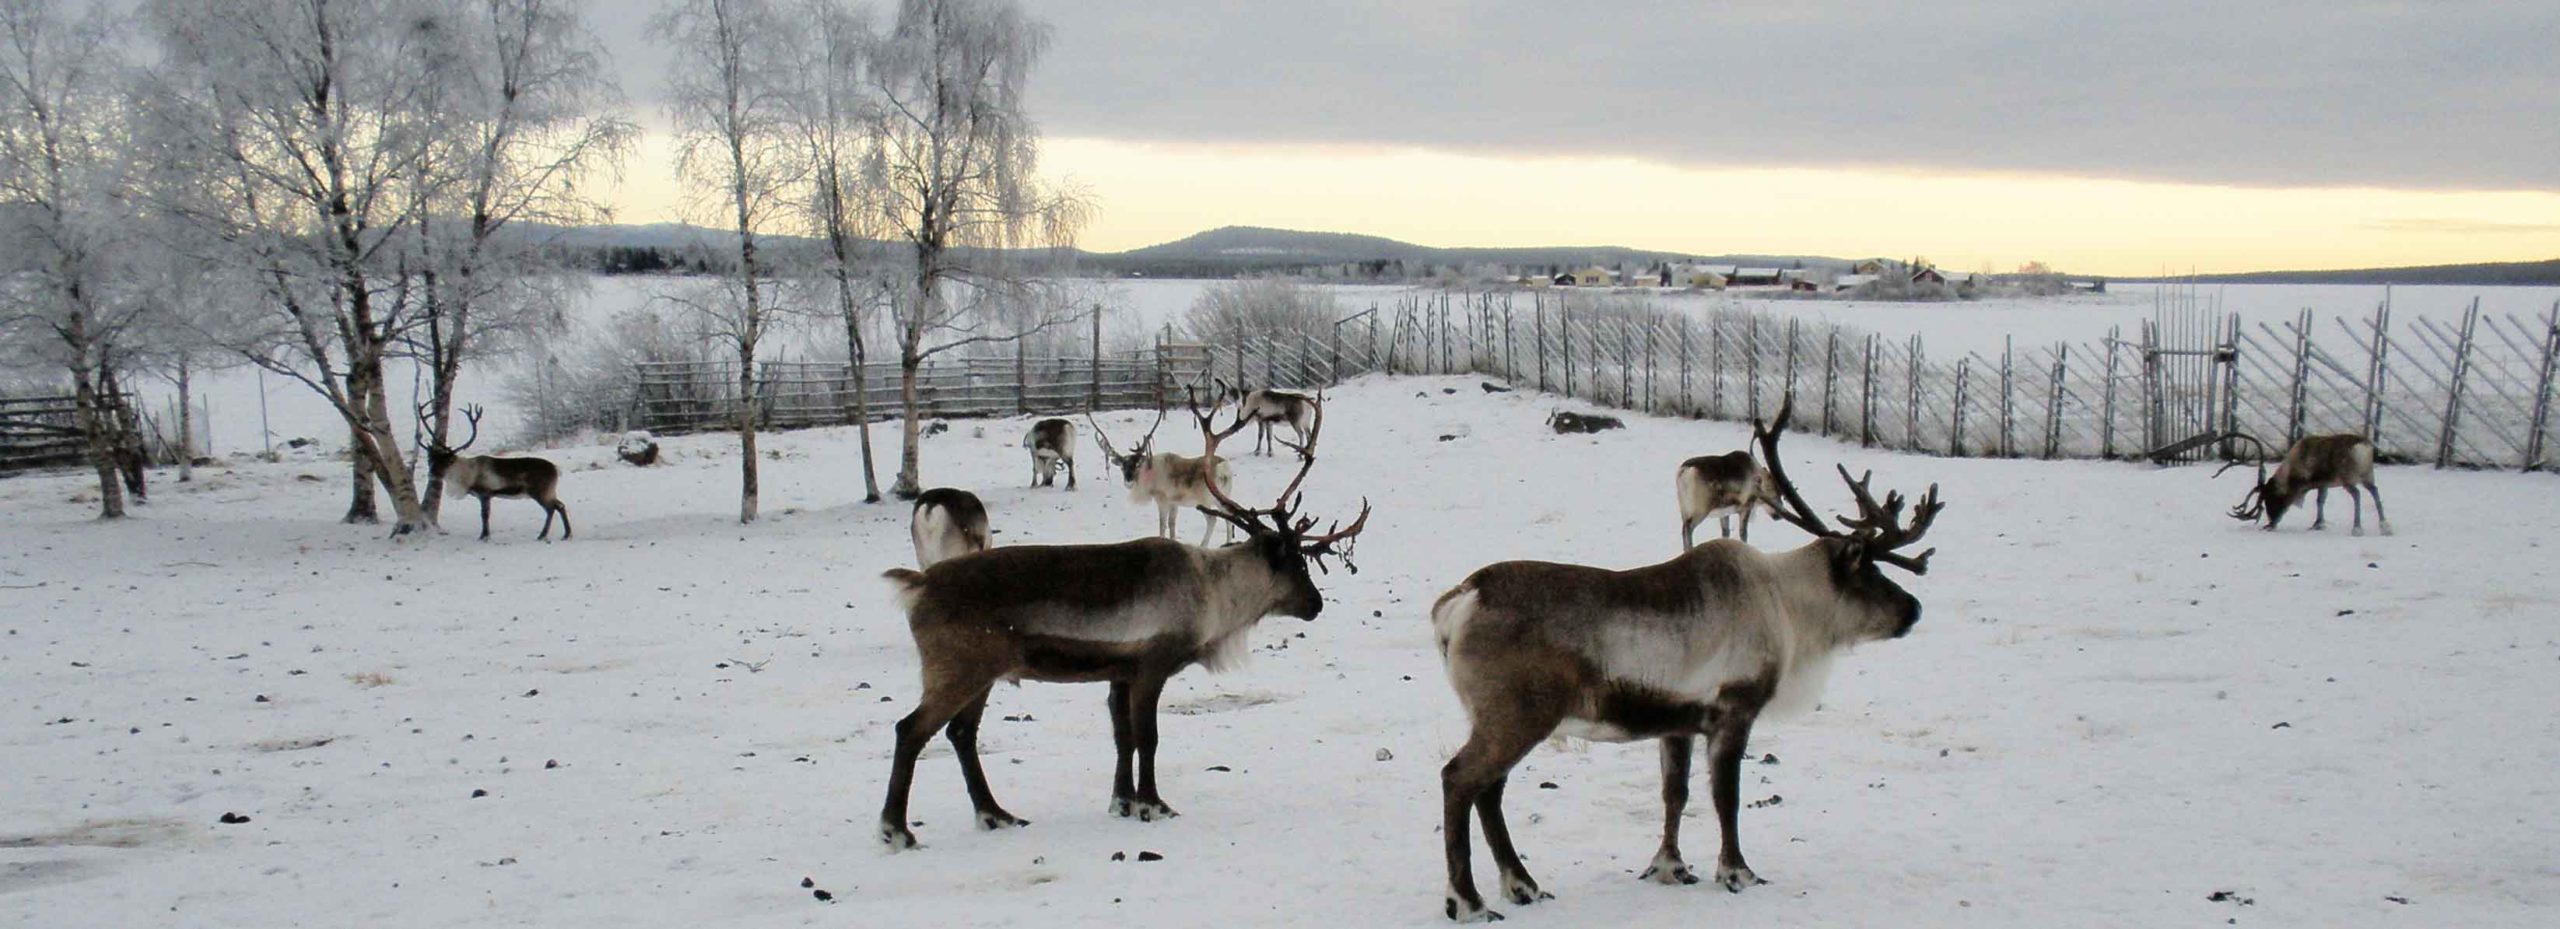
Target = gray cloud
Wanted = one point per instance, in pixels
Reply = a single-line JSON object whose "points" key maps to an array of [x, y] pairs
{"points": [[2430, 95]]}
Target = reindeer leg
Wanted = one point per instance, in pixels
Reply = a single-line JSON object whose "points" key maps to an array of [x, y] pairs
{"points": [[963, 733], [1689, 532], [1724, 526], [565, 531], [944, 697], [1746, 524], [1481, 766], [484, 517], [545, 534], [2356, 497], [2378, 516], [1071, 474], [2320, 509], [1143, 694], [1517, 886], [1732, 739], [1667, 868], [1124, 741]]}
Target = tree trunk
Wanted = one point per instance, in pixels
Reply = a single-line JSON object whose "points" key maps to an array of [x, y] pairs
{"points": [[361, 506], [186, 425], [92, 420], [861, 384], [390, 466], [747, 430], [906, 488]]}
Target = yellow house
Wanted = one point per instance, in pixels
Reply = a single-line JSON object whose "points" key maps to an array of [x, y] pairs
{"points": [[1594, 276]]}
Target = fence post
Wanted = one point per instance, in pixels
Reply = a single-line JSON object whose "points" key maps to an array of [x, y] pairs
{"points": [[1093, 398], [2301, 377], [1538, 318], [2541, 394], [1688, 405], [1648, 365], [2150, 390], [1751, 364], [1021, 376], [2107, 421], [1911, 412], [2053, 401], [1955, 433], [2008, 399], [1510, 359], [1626, 368], [1787, 387], [2453, 395], [1830, 378], [1867, 398], [1715, 362], [1564, 333], [2376, 367], [2229, 357]]}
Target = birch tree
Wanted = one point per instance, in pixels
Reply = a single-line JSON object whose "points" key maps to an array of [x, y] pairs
{"points": [[526, 114], [834, 114], [952, 165], [303, 125], [63, 179], [728, 92]]}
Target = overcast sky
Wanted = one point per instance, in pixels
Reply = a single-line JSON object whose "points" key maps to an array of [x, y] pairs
{"points": [[2399, 96]]}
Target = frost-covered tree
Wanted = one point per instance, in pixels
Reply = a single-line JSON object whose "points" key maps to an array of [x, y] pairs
{"points": [[835, 114], [64, 213], [952, 169], [1260, 308], [301, 127], [728, 90], [525, 114]]}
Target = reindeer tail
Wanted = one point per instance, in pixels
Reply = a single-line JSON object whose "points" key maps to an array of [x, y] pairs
{"points": [[910, 584]]}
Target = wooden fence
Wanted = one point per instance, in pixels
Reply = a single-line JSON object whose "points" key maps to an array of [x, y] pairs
{"points": [[2474, 393]]}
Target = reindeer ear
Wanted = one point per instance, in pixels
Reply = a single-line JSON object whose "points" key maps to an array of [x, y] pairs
{"points": [[1851, 553]]}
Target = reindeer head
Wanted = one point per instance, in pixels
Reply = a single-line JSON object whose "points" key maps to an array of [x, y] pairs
{"points": [[1858, 544], [1280, 532], [440, 457], [1137, 461], [2270, 496]]}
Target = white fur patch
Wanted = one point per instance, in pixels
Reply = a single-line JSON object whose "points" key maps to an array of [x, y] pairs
{"points": [[1588, 730], [1450, 615], [1800, 687]]}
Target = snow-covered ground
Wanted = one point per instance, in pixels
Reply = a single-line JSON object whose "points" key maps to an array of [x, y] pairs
{"points": [[2120, 709]]}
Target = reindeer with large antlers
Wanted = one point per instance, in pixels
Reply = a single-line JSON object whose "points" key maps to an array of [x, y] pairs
{"points": [[1698, 646], [486, 476], [2316, 463], [1168, 480], [1132, 614]]}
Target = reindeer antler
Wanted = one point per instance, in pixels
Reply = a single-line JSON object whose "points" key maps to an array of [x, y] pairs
{"points": [[1877, 527], [471, 413], [1283, 512], [2254, 503]]}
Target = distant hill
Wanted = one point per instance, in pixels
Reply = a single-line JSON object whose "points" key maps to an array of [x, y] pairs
{"points": [[2486, 274], [1230, 250]]}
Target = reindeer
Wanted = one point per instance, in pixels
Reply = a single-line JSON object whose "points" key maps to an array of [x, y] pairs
{"points": [[486, 476], [1696, 646], [1053, 446], [1718, 485], [947, 522], [2316, 463], [1264, 407], [1171, 481], [1131, 613]]}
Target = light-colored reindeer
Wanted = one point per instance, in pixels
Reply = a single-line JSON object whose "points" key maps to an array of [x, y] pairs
{"points": [[1696, 646], [1718, 486], [947, 522], [1052, 443], [1170, 481], [1132, 614]]}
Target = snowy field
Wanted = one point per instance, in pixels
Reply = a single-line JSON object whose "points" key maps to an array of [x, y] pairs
{"points": [[1142, 306], [2120, 708]]}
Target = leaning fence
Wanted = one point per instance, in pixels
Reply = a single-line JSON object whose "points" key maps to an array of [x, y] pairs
{"points": [[2476, 392]]}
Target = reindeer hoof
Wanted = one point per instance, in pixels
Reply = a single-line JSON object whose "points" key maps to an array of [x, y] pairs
{"points": [[2358, 532], [1148, 811], [1669, 873], [2386, 530], [1460, 912], [992, 820], [897, 837], [1734, 877], [1522, 891]]}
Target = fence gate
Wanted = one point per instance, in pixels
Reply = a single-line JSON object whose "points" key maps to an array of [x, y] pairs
{"points": [[2190, 368]]}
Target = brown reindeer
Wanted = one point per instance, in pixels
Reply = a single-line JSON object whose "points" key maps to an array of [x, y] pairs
{"points": [[947, 522], [1719, 485], [1265, 407], [2316, 463], [1052, 443], [1696, 646], [486, 476], [1132, 614]]}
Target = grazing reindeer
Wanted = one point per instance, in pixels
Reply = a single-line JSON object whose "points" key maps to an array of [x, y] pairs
{"points": [[1718, 485], [1171, 481], [1564, 423], [947, 523], [1695, 646], [1053, 446], [1264, 407], [486, 476], [1131, 613], [2316, 463]]}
